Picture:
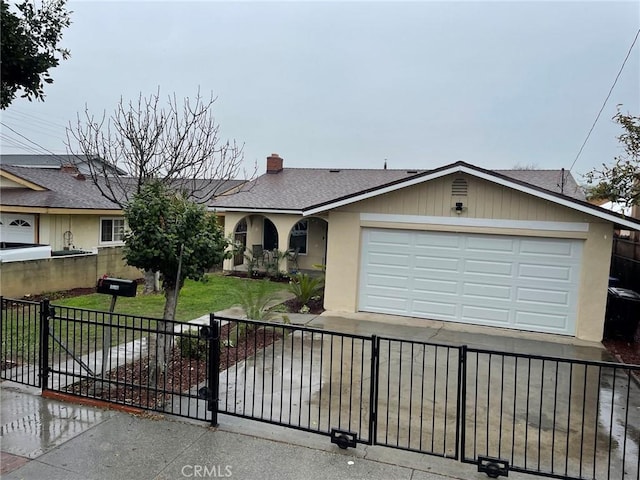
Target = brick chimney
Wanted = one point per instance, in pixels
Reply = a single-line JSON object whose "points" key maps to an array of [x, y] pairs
{"points": [[69, 168], [274, 163]]}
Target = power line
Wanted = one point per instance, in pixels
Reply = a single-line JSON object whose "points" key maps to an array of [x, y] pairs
{"points": [[605, 101], [29, 140]]}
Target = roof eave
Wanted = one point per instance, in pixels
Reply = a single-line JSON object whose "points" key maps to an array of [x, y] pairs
{"points": [[253, 210]]}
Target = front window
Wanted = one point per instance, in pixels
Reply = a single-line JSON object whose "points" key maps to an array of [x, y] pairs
{"points": [[298, 237], [111, 230]]}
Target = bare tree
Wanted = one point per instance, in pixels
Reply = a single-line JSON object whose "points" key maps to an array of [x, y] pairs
{"points": [[175, 143]]}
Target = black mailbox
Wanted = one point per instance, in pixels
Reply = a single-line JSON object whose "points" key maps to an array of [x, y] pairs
{"points": [[117, 286]]}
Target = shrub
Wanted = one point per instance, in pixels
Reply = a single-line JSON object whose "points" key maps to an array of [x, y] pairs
{"points": [[192, 346], [255, 300], [305, 286]]}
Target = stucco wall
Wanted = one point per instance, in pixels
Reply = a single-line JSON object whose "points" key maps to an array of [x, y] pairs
{"points": [[62, 273], [485, 200], [85, 230]]}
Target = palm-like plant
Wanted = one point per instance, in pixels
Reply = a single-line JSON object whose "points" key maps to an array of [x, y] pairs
{"points": [[305, 287]]}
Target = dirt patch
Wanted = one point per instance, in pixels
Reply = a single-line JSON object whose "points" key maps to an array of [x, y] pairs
{"points": [[624, 350], [315, 306], [130, 384], [74, 292]]}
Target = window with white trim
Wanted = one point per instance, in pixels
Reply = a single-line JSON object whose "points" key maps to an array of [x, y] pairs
{"points": [[111, 230], [298, 237]]}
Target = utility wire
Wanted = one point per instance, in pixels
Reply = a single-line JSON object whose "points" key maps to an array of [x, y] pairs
{"points": [[62, 160], [605, 101]]}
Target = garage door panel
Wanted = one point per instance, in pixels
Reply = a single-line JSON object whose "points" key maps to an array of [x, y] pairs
{"points": [[538, 321], [485, 315], [389, 303], [488, 268], [545, 272], [490, 245], [542, 296], [547, 248], [431, 285], [484, 291], [395, 282], [437, 310], [517, 282], [441, 242], [387, 259], [437, 262]]}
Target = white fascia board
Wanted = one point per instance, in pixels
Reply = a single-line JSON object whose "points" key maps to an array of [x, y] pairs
{"points": [[477, 222], [490, 178], [253, 210], [552, 198]]}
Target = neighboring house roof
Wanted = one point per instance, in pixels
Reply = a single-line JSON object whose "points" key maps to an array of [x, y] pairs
{"points": [[62, 190], [54, 161], [53, 188], [308, 191]]}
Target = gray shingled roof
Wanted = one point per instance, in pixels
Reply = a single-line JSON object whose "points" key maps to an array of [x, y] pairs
{"points": [[299, 188], [303, 188], [53, 161], [65, 190]]}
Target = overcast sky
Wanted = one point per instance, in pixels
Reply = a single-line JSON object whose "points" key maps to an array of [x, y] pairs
{"points": [[350, 84]]}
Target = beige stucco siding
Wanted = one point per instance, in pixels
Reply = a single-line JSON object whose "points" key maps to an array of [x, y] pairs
{"points": [[484, 200]]}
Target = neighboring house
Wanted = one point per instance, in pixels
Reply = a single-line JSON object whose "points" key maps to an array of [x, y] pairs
{"points": [[80, 162], [60, 207], [518, 249]]}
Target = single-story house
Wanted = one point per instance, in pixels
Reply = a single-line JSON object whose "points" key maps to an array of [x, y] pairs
{"points": [[519, 249]]}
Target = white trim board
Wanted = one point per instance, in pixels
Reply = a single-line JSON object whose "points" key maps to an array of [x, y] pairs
{"points": [[476, 222]]}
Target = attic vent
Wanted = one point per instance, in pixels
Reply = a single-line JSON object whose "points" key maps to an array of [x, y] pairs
{"points": [[459, 187], [334, 171], [412, 171]]}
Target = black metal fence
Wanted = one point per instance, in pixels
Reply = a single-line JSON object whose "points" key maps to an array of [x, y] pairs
{"points": [[20, 337], [555, 417]]}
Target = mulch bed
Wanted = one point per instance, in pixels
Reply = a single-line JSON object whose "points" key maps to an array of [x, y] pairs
{"points": [[182, 373], [624, 350]]}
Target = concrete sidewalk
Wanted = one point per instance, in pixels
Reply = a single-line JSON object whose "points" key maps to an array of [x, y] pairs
{"points": [[47, 439]]}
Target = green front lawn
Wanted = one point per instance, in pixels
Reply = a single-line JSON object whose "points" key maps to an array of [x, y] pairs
{"points": [[196, 298]]}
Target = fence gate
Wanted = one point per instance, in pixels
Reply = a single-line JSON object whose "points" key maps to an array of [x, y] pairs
{"points": [[551, 416], [417, 396]]}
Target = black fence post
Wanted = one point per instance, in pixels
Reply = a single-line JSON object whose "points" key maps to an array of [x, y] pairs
{"points": [[373, 390], [214, 368], [462, 403], [43, 361]]}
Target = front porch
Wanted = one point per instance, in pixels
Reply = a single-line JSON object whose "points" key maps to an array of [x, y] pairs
{"points": [[276, 243]]}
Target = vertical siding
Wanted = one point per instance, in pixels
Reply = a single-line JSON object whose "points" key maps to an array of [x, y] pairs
{"points": [[484, 200]]}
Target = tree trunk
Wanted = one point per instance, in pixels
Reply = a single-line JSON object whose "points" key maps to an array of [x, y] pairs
{"points": [[160, 344], [151, 282]]}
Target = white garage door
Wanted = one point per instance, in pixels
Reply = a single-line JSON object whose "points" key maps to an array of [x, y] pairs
{"points": [[527, 283], [17, 228]]}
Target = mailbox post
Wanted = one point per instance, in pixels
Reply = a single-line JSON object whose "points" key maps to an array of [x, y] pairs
{"points": [[116, 287]]}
